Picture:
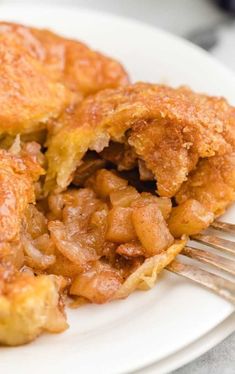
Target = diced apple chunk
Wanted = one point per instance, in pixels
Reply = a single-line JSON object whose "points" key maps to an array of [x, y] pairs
{"points": [[151, 229], [130, 249], [120, 227], [163, 203], [189, 218], [98, 284], [124, 197], [106, 181]]}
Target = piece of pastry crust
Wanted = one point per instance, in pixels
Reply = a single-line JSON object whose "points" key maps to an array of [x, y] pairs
{"points": [[71, 62], [170, 129], [29, 97]]}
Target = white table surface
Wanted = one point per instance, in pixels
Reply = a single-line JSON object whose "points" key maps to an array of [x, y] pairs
{"points": [[179, 17]]}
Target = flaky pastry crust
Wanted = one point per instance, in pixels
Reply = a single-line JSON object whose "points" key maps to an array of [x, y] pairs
{"points": [[170, 129]]}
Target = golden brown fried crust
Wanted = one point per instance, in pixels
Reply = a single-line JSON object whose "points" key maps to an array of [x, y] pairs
{"points": [[28, 96], [17, 175], [170, 129], [29, 305], [212, 183], [71, 62]]}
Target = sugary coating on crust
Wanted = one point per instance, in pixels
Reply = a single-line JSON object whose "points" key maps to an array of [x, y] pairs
{"points": [[29, 97], [212, 183], [80, 68], [170, 129]]}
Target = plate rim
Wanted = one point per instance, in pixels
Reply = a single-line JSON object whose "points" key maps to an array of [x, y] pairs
{"points": [[194, 350], [137, 22]]}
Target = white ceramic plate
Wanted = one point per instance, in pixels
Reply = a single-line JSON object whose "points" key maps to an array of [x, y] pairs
{"points": [[149, 326], [193, 350]]}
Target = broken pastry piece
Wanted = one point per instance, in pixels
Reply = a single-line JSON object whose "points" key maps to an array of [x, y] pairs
{"points": [[173, 136], [169, 129], [29, 305]]}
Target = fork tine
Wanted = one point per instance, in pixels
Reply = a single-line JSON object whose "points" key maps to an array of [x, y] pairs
{"points": [[220, 285], [210, 258], [223, 226], [215, 242]]}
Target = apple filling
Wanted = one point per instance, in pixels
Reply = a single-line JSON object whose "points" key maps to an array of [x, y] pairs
{"points": [[110, 221]]}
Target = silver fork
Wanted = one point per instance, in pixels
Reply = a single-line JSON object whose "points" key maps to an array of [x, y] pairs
{"points": [[217, 283]]}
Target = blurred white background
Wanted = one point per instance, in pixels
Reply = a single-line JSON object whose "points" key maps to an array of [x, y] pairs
{"points": [[180, 17], [177, 16]]}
